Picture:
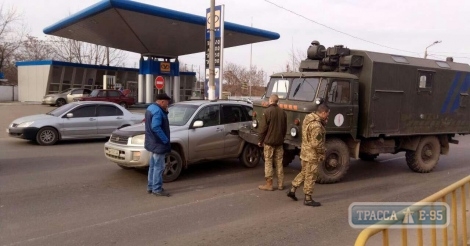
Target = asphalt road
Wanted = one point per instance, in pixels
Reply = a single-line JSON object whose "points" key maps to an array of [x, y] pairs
{"points": [[69, 194]]}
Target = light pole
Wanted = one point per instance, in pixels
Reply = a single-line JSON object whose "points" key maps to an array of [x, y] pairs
{"points": [[426, 50]]}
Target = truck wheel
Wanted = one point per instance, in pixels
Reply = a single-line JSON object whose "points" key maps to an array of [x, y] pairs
{"points": [[287, 158], [336, 162], [368, 157], [425, 158], [251, 155], [47, 136], [60, 102], [173, 166]]}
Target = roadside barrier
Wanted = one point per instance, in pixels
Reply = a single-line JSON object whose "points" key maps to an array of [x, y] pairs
{"points": [[457, 224]]}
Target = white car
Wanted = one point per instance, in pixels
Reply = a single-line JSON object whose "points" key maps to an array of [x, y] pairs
{"points": [[76, 120]]}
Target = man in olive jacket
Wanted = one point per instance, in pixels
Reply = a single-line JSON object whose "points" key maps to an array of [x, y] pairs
{"points": [[273, 128]]}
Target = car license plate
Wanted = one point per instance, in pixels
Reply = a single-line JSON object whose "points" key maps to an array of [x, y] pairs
{"points": [[8, 130], [114, 152]]}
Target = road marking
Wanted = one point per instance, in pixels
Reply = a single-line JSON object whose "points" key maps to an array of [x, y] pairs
{"points": [[393, 159], [128, 217]]}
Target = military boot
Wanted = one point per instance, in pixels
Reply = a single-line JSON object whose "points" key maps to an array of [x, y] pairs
{"points": [[309, 202], [268, 186], [291, 193]]}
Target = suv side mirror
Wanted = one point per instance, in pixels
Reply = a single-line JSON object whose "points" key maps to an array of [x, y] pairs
{"points": [[198, 124], [69, 115]]}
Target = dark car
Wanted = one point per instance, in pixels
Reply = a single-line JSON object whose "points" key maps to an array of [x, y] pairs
{"points": [[114, 96]]}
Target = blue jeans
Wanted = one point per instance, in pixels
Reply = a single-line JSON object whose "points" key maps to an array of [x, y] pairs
{"points": [[156, 168]]}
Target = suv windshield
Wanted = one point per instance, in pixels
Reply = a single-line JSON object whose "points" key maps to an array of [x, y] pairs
{"points": [[278, 86], [304, 89], [61, 110], [179, 115]]}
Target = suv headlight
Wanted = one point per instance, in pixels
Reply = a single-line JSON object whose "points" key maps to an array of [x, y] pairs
{"points": [[138, 139], [25, 124], [254, 123]]}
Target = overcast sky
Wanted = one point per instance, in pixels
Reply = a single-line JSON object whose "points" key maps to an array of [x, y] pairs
{"points": [[389, 26]]}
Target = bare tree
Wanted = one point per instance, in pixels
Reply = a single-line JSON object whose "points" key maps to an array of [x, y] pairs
{"points": [[236, 77], [12, 31], [33, 49], [293, 62], [80, 52]]}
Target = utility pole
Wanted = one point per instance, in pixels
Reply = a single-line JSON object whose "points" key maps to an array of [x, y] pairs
{"points": [[426, 50], [251, 53], [211, 90]]}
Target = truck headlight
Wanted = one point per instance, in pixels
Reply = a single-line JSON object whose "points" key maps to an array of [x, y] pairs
{"points": [[254, 123], [138, 139], [293, 132], [25, 124]]}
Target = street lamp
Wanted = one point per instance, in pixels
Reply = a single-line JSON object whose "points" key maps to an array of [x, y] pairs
{"points": [[426, 50]]}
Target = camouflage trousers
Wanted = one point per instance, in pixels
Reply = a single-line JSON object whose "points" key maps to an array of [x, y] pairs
{"points": [[273, 154], [308, 176]]}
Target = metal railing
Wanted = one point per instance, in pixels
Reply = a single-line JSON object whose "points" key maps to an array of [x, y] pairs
{"points": [[440, 196]]}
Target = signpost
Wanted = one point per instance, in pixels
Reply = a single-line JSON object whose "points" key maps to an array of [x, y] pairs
{"points": [[159, 82], [218, 46]]}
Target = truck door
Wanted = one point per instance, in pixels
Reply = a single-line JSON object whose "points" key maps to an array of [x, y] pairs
{"points": [[340, 100]]}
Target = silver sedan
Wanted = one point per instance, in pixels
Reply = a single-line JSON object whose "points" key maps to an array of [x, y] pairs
{"points": [[77, 120]]}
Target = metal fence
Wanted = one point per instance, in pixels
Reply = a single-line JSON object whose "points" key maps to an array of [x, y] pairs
{"points": [[457, 226]]}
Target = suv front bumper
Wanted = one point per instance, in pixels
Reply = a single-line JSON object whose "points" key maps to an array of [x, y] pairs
{"points": [[125, 155]]}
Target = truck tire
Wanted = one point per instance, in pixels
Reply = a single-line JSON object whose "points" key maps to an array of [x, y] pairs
{"points": [[251, 155], [336, 162], [426, 156], [173, 166], [287, 158], [368, 157]]}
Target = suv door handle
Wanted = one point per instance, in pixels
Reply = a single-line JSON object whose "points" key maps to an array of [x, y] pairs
{"points": [[119, 118], [92, 119]]}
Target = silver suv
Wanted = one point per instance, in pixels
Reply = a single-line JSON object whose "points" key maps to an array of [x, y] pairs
{"points": [[200, 131]]}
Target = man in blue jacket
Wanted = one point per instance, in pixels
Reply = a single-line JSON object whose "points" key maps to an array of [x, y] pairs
{"points": [[157, 142]]}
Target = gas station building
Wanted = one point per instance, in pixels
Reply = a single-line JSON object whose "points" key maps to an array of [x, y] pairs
{"points": [[160, 35]]}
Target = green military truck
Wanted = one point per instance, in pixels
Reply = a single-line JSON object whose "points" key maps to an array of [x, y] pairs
{"points": [[380, 103]]}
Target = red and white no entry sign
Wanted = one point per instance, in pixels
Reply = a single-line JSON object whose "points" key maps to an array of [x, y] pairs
{"points": [[159, 82]]}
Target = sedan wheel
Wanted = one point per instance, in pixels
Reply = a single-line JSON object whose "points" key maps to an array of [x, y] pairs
{"points": [[47, 136], [60, 102], [173, 166]]}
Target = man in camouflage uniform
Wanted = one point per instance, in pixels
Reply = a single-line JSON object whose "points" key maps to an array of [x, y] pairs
{"points": [[273, 128], [312, 153]]}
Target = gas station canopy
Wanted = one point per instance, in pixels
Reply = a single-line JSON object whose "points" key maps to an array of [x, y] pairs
{"points": [[149, 30]]}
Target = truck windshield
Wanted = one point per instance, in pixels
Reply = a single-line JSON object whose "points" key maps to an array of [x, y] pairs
{"points": [[278, 86], [304, 89]]}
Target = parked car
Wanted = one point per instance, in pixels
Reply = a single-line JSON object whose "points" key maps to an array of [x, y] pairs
{"points": [[76, 120], [64, 97], [200, 131], [114, 96]]}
